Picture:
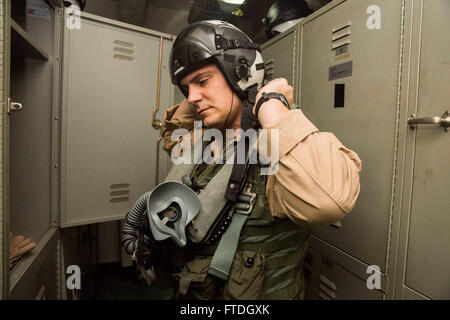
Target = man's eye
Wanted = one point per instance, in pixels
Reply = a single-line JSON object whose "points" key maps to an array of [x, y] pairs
{"points": [[203, 82]]}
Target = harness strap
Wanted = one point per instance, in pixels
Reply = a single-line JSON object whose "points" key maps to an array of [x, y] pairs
{"points": [[185, 283], [238, 174], [140, 259], [267, 247], [270, 229], [224, 255]]}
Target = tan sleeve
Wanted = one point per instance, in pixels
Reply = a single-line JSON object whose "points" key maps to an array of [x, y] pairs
{"points": [[178, 121], [317, 181]]}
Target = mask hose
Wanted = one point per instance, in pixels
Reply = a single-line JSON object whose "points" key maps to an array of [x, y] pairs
{"points": [[134, 222]]}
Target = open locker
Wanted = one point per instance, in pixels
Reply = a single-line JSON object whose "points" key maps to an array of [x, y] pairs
{"points": [[83, 146]]}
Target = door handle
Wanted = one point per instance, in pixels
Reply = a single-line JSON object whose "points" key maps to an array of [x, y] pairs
{"points": [[443, 120]]}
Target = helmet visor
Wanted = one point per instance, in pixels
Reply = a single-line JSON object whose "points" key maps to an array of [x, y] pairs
{"points": [[186, 58], [190, 50]]}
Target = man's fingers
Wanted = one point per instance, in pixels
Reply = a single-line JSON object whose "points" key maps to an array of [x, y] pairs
{"points": [[16, 240], [21, 251], [24, 243]]}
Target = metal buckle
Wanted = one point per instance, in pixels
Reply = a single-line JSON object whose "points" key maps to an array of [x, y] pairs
{"points": [[252, 201]]}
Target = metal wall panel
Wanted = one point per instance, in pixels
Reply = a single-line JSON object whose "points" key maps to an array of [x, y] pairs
{"points": [[349, 81], [109, 147]]}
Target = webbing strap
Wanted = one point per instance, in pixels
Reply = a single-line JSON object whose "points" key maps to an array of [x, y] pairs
{"points": [[223, 43], [239, 172], [270, 229], [224, 255], [185, 283], [266, 247], [259, 213]]}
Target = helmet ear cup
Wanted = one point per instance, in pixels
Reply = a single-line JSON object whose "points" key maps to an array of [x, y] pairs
{"points": [[242, 68]]}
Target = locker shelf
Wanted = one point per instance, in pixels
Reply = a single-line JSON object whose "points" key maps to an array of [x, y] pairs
{"points": [[33, 259], [23, 45]]}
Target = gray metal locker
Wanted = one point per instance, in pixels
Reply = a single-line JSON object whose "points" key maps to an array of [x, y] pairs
{"points": [[365, 69], [350, 88], [423, 255], [109, 149], [327, 280], [29, 60], [338, 283], [281, 57], [83, 148]]}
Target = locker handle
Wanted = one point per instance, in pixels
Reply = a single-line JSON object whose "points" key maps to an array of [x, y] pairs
{"points": [[444, 120]]}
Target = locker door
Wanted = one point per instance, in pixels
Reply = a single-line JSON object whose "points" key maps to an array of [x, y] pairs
{"points": [[349, 86], [428, 238], [280, 56], [109, 149]]}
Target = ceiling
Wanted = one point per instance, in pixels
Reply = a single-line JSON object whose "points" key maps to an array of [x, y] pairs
{"points": [[136, 12]]}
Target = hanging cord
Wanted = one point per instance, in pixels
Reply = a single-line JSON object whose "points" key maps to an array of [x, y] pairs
{"points": [[231, 108]]}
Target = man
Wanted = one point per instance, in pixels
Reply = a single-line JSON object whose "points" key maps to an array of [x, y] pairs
{"points": [[220, 71], [317, 182]]}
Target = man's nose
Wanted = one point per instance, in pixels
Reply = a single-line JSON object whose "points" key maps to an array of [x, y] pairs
{"points": [[194, 96]]}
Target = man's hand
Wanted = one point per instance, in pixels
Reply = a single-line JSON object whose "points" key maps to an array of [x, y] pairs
{"points": [[18, 247], [272, 109]]}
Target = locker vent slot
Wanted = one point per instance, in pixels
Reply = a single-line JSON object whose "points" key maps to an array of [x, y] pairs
{"points": [[122, 57], [124, 44], [327, 289], [124, 50], [120, 192], [120, 186], [123, 199], [339, 28], [340, 36], [268, 68]]}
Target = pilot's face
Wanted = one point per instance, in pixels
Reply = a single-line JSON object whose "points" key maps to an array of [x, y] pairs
{"points": [[212, 97]]}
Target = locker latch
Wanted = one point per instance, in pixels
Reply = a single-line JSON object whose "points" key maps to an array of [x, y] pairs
{"points": [[13, 106]]}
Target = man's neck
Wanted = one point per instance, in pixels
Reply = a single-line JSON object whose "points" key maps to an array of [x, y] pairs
{"points": [[235, 123]]}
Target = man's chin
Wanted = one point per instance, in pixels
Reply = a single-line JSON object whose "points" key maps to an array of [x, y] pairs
{"points": [[207, 123]]}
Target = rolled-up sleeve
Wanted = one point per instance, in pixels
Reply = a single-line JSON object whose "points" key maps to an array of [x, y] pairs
{"points": [[171, 123], [317, 181]]}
